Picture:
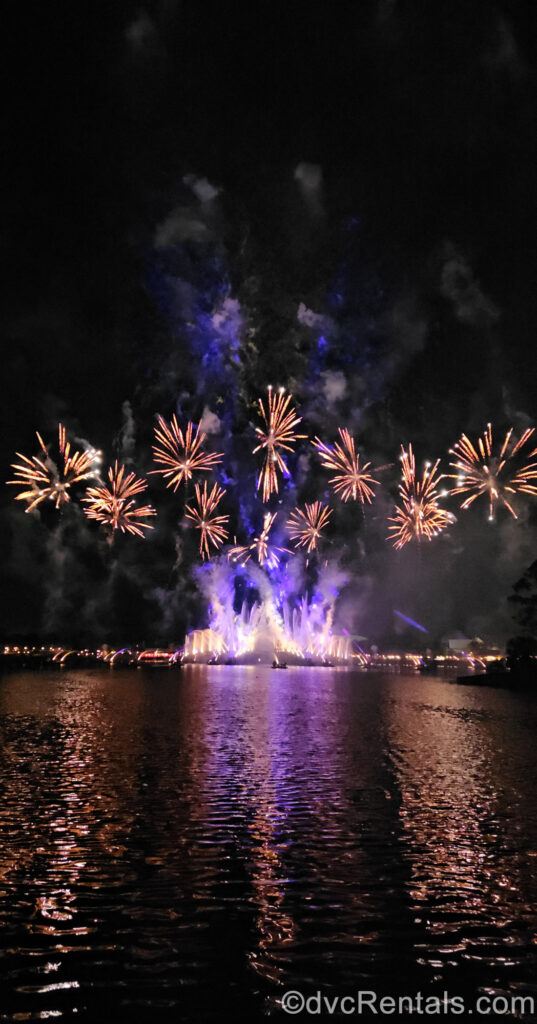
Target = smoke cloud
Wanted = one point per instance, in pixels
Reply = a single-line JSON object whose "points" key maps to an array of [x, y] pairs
{"points": [[459, 285]]}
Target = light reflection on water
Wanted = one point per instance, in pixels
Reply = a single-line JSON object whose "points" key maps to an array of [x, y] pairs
{"points": [[178, 845]]}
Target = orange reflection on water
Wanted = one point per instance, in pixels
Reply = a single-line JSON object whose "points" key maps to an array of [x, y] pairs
{"points": [[461, 810]]}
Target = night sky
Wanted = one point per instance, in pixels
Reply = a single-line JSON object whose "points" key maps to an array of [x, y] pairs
{"points": [[205, 199]]}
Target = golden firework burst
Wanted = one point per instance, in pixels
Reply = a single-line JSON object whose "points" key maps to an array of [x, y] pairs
{"points": [[305, 527], [277, 435], [180, 454], [212, 528], [351, 480], [115, 506], [419, 516], [497, 475], [41, 478]]}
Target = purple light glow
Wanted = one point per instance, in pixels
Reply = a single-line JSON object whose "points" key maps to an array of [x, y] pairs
{"points": [[411, 622]]}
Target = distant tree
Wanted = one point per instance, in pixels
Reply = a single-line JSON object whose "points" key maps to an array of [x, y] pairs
{"points": [[523, 602], [522, 656], [522, 649]]}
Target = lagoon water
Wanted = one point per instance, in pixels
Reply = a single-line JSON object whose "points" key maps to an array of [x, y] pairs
{"points": [[185, 846]]}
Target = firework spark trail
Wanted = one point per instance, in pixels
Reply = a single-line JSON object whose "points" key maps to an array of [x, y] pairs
{"points": [[181, 454], [306, 527], [115, 506], [40, 477], [479, 471], [419, 516], [267, 554], [277, 434], [212, 527], [352, 480]]}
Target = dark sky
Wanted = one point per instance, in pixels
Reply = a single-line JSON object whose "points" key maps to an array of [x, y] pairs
{"points": [[373, 161]]}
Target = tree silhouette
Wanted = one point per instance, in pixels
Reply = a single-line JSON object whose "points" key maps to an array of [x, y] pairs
{"points": [[523, 602]]}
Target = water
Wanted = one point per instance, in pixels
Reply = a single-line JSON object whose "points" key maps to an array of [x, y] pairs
{"points": [[186, 846]]}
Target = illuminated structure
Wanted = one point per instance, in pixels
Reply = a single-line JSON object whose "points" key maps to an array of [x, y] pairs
{"points": [[263, 633]]}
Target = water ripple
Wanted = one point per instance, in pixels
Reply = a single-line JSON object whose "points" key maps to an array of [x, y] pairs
{"points": [[182, 845]]}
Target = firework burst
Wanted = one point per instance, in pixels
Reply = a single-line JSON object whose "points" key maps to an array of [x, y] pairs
{"points": [[419, 516], [352, 480], [498, 475], [41, 478], [181, 454], [266, 554], [115, 506], [212, 527], [305, 527], [277, 435]]}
